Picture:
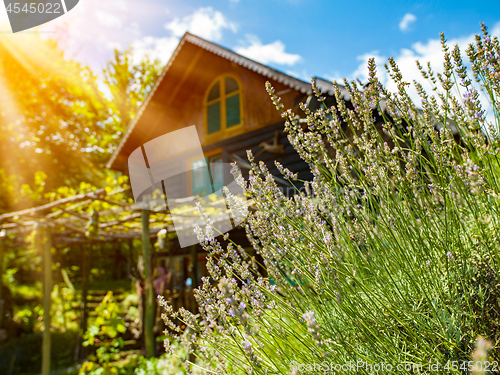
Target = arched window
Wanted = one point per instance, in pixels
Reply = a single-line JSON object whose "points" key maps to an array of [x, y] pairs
{"points": [[223, 105]]}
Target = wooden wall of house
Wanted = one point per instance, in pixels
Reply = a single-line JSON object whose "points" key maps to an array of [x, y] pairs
{"points": [[200, 73], [180, 98], [236, 149]]}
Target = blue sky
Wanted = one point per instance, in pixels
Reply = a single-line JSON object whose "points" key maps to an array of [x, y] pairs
{"points": [[330, 39]]}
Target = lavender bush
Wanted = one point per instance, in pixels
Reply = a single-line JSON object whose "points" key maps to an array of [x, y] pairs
{"points": [[389, 257]]}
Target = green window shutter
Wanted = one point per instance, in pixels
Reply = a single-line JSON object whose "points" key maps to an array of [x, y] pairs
{"points": [[200, 180], [217, 171], [213, 118], [214, 92], [233, 110], [231, 85]]}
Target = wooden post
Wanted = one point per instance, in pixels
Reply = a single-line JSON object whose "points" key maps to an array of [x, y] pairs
{"points": [[44, 244], [149, 310], [85, 291], [3, 235], [91, 233], [129, 259]]}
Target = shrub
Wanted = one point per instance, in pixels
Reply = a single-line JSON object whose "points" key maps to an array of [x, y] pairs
{"points": [[23, 354], [390, 257], [104, 334]]}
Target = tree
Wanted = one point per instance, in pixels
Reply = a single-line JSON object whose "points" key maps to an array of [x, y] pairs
{"points": [[129, 83], [59, 119], [51, 115]]}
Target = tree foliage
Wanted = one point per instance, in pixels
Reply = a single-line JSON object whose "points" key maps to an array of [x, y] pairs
{"points": [[59, 120]]}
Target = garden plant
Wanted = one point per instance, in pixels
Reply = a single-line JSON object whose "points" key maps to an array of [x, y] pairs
{"points": [[390, 256]]}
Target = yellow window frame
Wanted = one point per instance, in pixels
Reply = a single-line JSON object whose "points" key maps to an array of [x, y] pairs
{"points": [[224, 131]]}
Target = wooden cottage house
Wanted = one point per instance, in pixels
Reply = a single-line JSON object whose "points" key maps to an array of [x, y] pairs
{"points": [[224, 95]]}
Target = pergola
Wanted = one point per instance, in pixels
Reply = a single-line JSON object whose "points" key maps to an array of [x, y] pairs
{"points": [[72, 221]]}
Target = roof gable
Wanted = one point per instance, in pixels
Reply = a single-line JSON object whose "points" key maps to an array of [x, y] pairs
{"points": [[189, 40]]}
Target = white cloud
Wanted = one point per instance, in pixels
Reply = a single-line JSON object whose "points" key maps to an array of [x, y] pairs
{"points": [[428, 52], [267, 53], [155, 48], [361, 71], [108, 19], [406, 21], [205, 22], [94, 28]]}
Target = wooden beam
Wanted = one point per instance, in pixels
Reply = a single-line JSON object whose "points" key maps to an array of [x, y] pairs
{"points": [[122, 190], [17, 225], [78, 205], [149, 311], [120, 221], [48, 206], [75, 214], [121, 204]]}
